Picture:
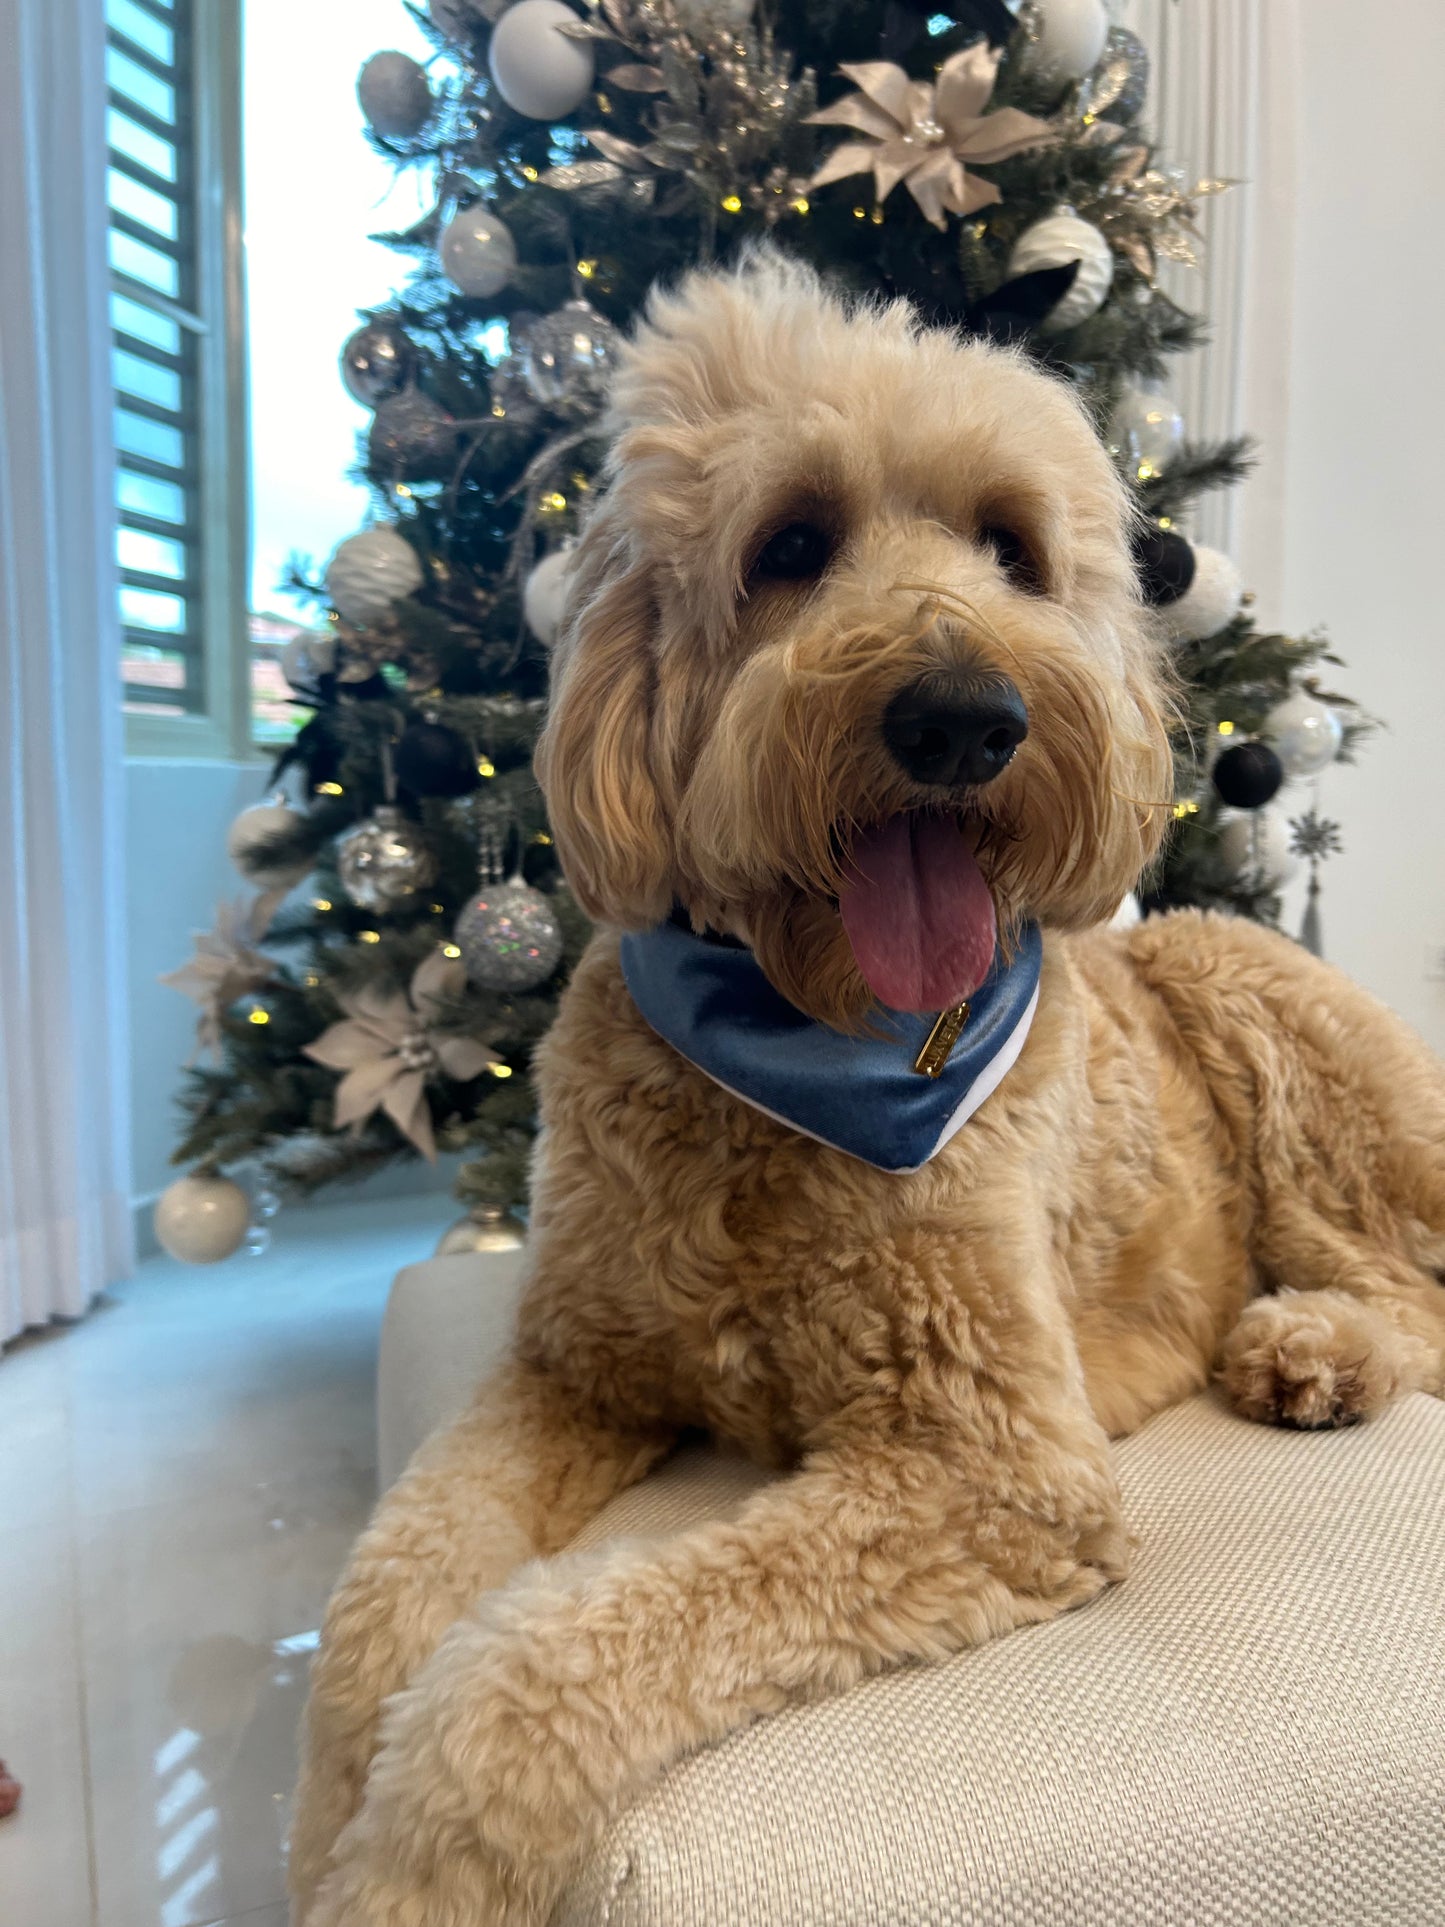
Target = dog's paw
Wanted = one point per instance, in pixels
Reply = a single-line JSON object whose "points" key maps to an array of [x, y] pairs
{"points": [[1311, 1360]]}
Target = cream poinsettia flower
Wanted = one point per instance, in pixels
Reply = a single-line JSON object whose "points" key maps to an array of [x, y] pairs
{"points": [[927, 134], [388, 1048], [227, 966]]}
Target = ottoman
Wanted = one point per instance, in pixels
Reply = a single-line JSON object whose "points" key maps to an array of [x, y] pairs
{"points": [[1251, 1729]]}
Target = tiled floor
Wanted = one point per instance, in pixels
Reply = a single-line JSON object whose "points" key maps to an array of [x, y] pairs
{"points": [[180, 1477]]}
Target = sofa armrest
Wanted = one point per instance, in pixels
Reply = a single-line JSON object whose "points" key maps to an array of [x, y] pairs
{"points": [[447, 1322]]}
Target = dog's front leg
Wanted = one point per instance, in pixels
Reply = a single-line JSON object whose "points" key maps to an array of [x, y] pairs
{"points": [[518, 1474], [544, 1714]]}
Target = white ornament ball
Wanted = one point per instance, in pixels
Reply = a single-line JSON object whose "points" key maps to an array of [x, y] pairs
{"points": [[1070, 39], [478, 254], [1305, 732], [248, 836], [1146, 429], [201, 1220], [1255, 845], [544, 595], [369, 572], [1212, 600], [1051, 243], [307, 658], [536, 69], [394, 95]]}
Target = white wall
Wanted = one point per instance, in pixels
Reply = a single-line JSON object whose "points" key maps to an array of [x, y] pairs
{"points": [[1364, 469]]}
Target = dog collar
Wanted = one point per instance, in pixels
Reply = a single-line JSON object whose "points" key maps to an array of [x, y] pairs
{"points": [[861, 1095]]}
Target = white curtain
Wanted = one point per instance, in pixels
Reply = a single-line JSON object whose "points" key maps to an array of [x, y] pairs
{"points": [[1222, 103], [64, 1154]]}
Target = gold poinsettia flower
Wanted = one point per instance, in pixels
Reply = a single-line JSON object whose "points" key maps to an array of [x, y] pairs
{"points": [[928, 134], [388, 1048], [227, 965]]}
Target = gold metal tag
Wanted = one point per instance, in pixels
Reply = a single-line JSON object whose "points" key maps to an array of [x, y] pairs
{"points": [[941, 1040]]}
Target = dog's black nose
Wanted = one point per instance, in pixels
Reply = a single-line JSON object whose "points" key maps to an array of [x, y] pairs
{"points": [[955, 730]]}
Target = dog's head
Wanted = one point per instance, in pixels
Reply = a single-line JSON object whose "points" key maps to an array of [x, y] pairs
{"points": [[853, 663]]}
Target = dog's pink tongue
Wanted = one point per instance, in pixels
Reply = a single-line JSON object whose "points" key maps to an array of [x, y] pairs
{"points": [[918, 913]]}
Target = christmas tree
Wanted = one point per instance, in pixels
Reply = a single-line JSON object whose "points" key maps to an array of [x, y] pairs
{"points": [[991, 166]]}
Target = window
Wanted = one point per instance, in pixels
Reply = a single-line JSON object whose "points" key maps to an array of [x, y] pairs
{"points": [[173, 134]]}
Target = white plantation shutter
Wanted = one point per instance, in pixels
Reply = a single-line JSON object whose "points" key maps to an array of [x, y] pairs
{"points": [[174, 306]]}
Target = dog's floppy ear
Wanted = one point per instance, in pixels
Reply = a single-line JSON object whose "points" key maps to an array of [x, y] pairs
{"points": [[594, 757]]}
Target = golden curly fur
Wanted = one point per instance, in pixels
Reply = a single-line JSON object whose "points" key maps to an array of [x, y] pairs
{"points": [[1214, 1154]]}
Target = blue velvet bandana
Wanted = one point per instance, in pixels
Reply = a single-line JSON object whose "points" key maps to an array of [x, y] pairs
{"points": [[861, 1095]]}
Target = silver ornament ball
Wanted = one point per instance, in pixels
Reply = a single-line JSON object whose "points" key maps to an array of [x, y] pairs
{"points": [[567, 357], [478, 254], [486, 1227], [1306, 733], [394, 95], [413, 438], [1059, 238], [384, 861], [369, 572], [252, 831], [308, 657], [377, 361], [202, 1218], [509, 937], [536, 68]]}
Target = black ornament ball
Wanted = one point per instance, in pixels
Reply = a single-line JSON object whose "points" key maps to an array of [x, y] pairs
{"points": [[432, 760], [1247, 775], [1165, 563]]}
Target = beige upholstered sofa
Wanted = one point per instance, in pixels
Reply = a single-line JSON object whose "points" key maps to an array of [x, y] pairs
{"points": [[1251, 1730]]}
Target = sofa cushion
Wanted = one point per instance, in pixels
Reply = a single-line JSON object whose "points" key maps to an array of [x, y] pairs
{"points": [[1251, 1729]]}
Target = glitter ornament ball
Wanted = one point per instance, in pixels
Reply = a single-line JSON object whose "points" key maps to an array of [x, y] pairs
{"points": [[1059, 238], [1211, 602], [544, 595], [413, 439], [369, 572], [567, 356], [377, 361], [250, 834], [535, 67], [1146, 431], [1257, 848], [509, 937], [384, 861], [1306, 733], [1069, 40], [478, 254], [1121, 82], [1247, 775], [394, 95], [202, 1218]]}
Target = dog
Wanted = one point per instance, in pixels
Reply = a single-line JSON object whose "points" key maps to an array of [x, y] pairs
{"points": [[856, 720]]}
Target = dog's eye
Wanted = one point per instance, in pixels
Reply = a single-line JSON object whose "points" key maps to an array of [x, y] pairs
{"points": [[793, 554], [1013, 557]]}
